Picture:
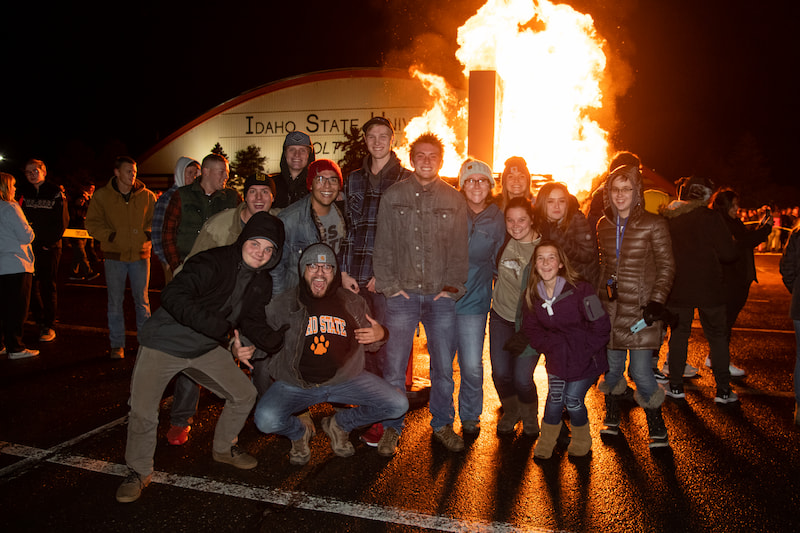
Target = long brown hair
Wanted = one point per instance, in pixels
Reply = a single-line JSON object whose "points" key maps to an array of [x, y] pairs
{"points": [[540, 206], [566, 271]]}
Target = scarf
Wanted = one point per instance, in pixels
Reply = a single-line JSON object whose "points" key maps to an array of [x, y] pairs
{"points": [[548, 302]]}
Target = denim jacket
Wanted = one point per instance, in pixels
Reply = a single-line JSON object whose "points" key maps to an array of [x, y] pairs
{"points": [[421, 244]]}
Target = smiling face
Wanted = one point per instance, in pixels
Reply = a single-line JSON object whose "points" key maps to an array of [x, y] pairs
{"points": [[517, 183], [34, 174], [324, 189], [519, 224], [476, 189], [427, 161], [379, 141], [622, 196], [258, 198], [319, 277], [547, 262], [556, 205], [257, 252], [296, 158]]}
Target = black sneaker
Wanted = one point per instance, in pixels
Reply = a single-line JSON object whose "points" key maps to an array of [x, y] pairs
{"points": [[726, 396], [660, 376], [675, 391]]}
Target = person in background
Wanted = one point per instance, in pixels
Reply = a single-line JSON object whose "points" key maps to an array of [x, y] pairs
{"points": [[363, 190], [191, 205], [45, 207], [290, 182], [515, 181], [560, 220], [16, 271], [637, 269], [486, 229], [790, 273], [563, 318], [740, 274], [83, 256], [512, 370], [120, 216], [186, 171], [701, 244]]}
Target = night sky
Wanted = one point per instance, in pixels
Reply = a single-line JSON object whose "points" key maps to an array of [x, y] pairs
{"points": [[709, 83]]}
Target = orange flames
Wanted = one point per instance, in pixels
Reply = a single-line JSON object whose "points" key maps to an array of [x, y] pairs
{"points": [[551, 63]]}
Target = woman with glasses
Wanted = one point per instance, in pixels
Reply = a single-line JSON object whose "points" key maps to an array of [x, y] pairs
{"points": [[637, 270], [487, 228]]}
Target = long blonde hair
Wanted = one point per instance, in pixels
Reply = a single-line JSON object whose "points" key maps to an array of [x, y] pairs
{"points": [[566, 271], [6, 181]]}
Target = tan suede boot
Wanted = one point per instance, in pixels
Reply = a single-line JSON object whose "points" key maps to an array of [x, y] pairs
{"points": [[530, 420], [581, 442], [511, 415], [547, 440]]}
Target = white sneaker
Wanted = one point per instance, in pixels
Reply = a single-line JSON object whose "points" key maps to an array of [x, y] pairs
{"points": [[689, 371], [24, 354], [735, 371]]}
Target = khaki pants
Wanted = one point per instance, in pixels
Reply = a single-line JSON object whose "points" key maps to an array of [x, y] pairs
{"points": [[214, 370]]}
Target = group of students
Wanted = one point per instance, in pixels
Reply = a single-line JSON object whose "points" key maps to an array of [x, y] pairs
{"points": [[323, 310]]}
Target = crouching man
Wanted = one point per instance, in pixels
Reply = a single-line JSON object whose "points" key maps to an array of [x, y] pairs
{"points": [[219, 291], [322, 360]]}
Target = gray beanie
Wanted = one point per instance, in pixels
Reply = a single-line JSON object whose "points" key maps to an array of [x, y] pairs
{"points": [[318, 253]]}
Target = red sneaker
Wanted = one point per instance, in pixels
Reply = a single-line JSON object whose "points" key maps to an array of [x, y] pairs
{"points": [[178, 435], [373, 435]]}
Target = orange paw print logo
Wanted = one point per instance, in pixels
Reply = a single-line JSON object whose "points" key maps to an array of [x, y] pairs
{"points": [[320, 345]]}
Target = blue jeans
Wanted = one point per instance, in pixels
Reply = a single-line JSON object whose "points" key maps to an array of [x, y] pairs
{"points": [[569, 394], [375, 400], [512, 376], [439, 318], [640, 370], [116, 274], [797, 361], [470, 332]]}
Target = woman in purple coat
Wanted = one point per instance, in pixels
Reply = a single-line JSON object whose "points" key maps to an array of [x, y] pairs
{"points": [[562, 317]]}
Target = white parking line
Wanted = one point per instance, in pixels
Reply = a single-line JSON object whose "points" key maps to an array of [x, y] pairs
{"points": [[299, 500]]}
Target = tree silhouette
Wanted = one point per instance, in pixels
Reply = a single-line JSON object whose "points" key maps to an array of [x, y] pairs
{"points": [[246, 162], [219, 151], [355, 150]]}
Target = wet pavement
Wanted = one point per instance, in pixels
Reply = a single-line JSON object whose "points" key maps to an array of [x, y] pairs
{"points": [[729, 468]]}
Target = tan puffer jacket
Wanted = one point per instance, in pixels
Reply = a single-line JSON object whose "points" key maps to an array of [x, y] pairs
{"points": [[645, 271]]}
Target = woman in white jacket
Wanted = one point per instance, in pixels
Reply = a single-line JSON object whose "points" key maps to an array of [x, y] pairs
{"points": [[16, 270]]}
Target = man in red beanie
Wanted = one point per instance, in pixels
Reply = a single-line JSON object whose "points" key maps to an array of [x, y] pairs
{"points": [[312, 219]]}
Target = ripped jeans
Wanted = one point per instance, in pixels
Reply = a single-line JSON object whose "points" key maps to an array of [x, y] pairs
{"points": [[571, 394]]}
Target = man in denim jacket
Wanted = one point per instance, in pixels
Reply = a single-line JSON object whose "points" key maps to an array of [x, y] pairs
{"points": [[421, 264]]}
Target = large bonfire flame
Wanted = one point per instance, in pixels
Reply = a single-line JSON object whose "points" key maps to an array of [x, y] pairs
{"points": [[551, 64]]}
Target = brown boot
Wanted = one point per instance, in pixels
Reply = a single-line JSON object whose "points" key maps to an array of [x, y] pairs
{"points": [[530, 420], [581, 442], [547, 440], [511, 415]]}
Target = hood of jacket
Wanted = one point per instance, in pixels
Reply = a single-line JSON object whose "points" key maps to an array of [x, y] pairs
{"points": [[265, 226], [637, 205], [677, 208], [180, 168]]}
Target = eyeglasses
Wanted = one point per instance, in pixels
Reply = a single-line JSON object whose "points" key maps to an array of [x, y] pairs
{"points": [[323, 180], [623, 190], [314, 267], [476, 181]]}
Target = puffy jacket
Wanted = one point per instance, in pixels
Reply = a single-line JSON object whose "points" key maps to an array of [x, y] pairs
{"points": [[578, 240], [645, 270], [487, 230], [574, 345], [123, 228]]}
